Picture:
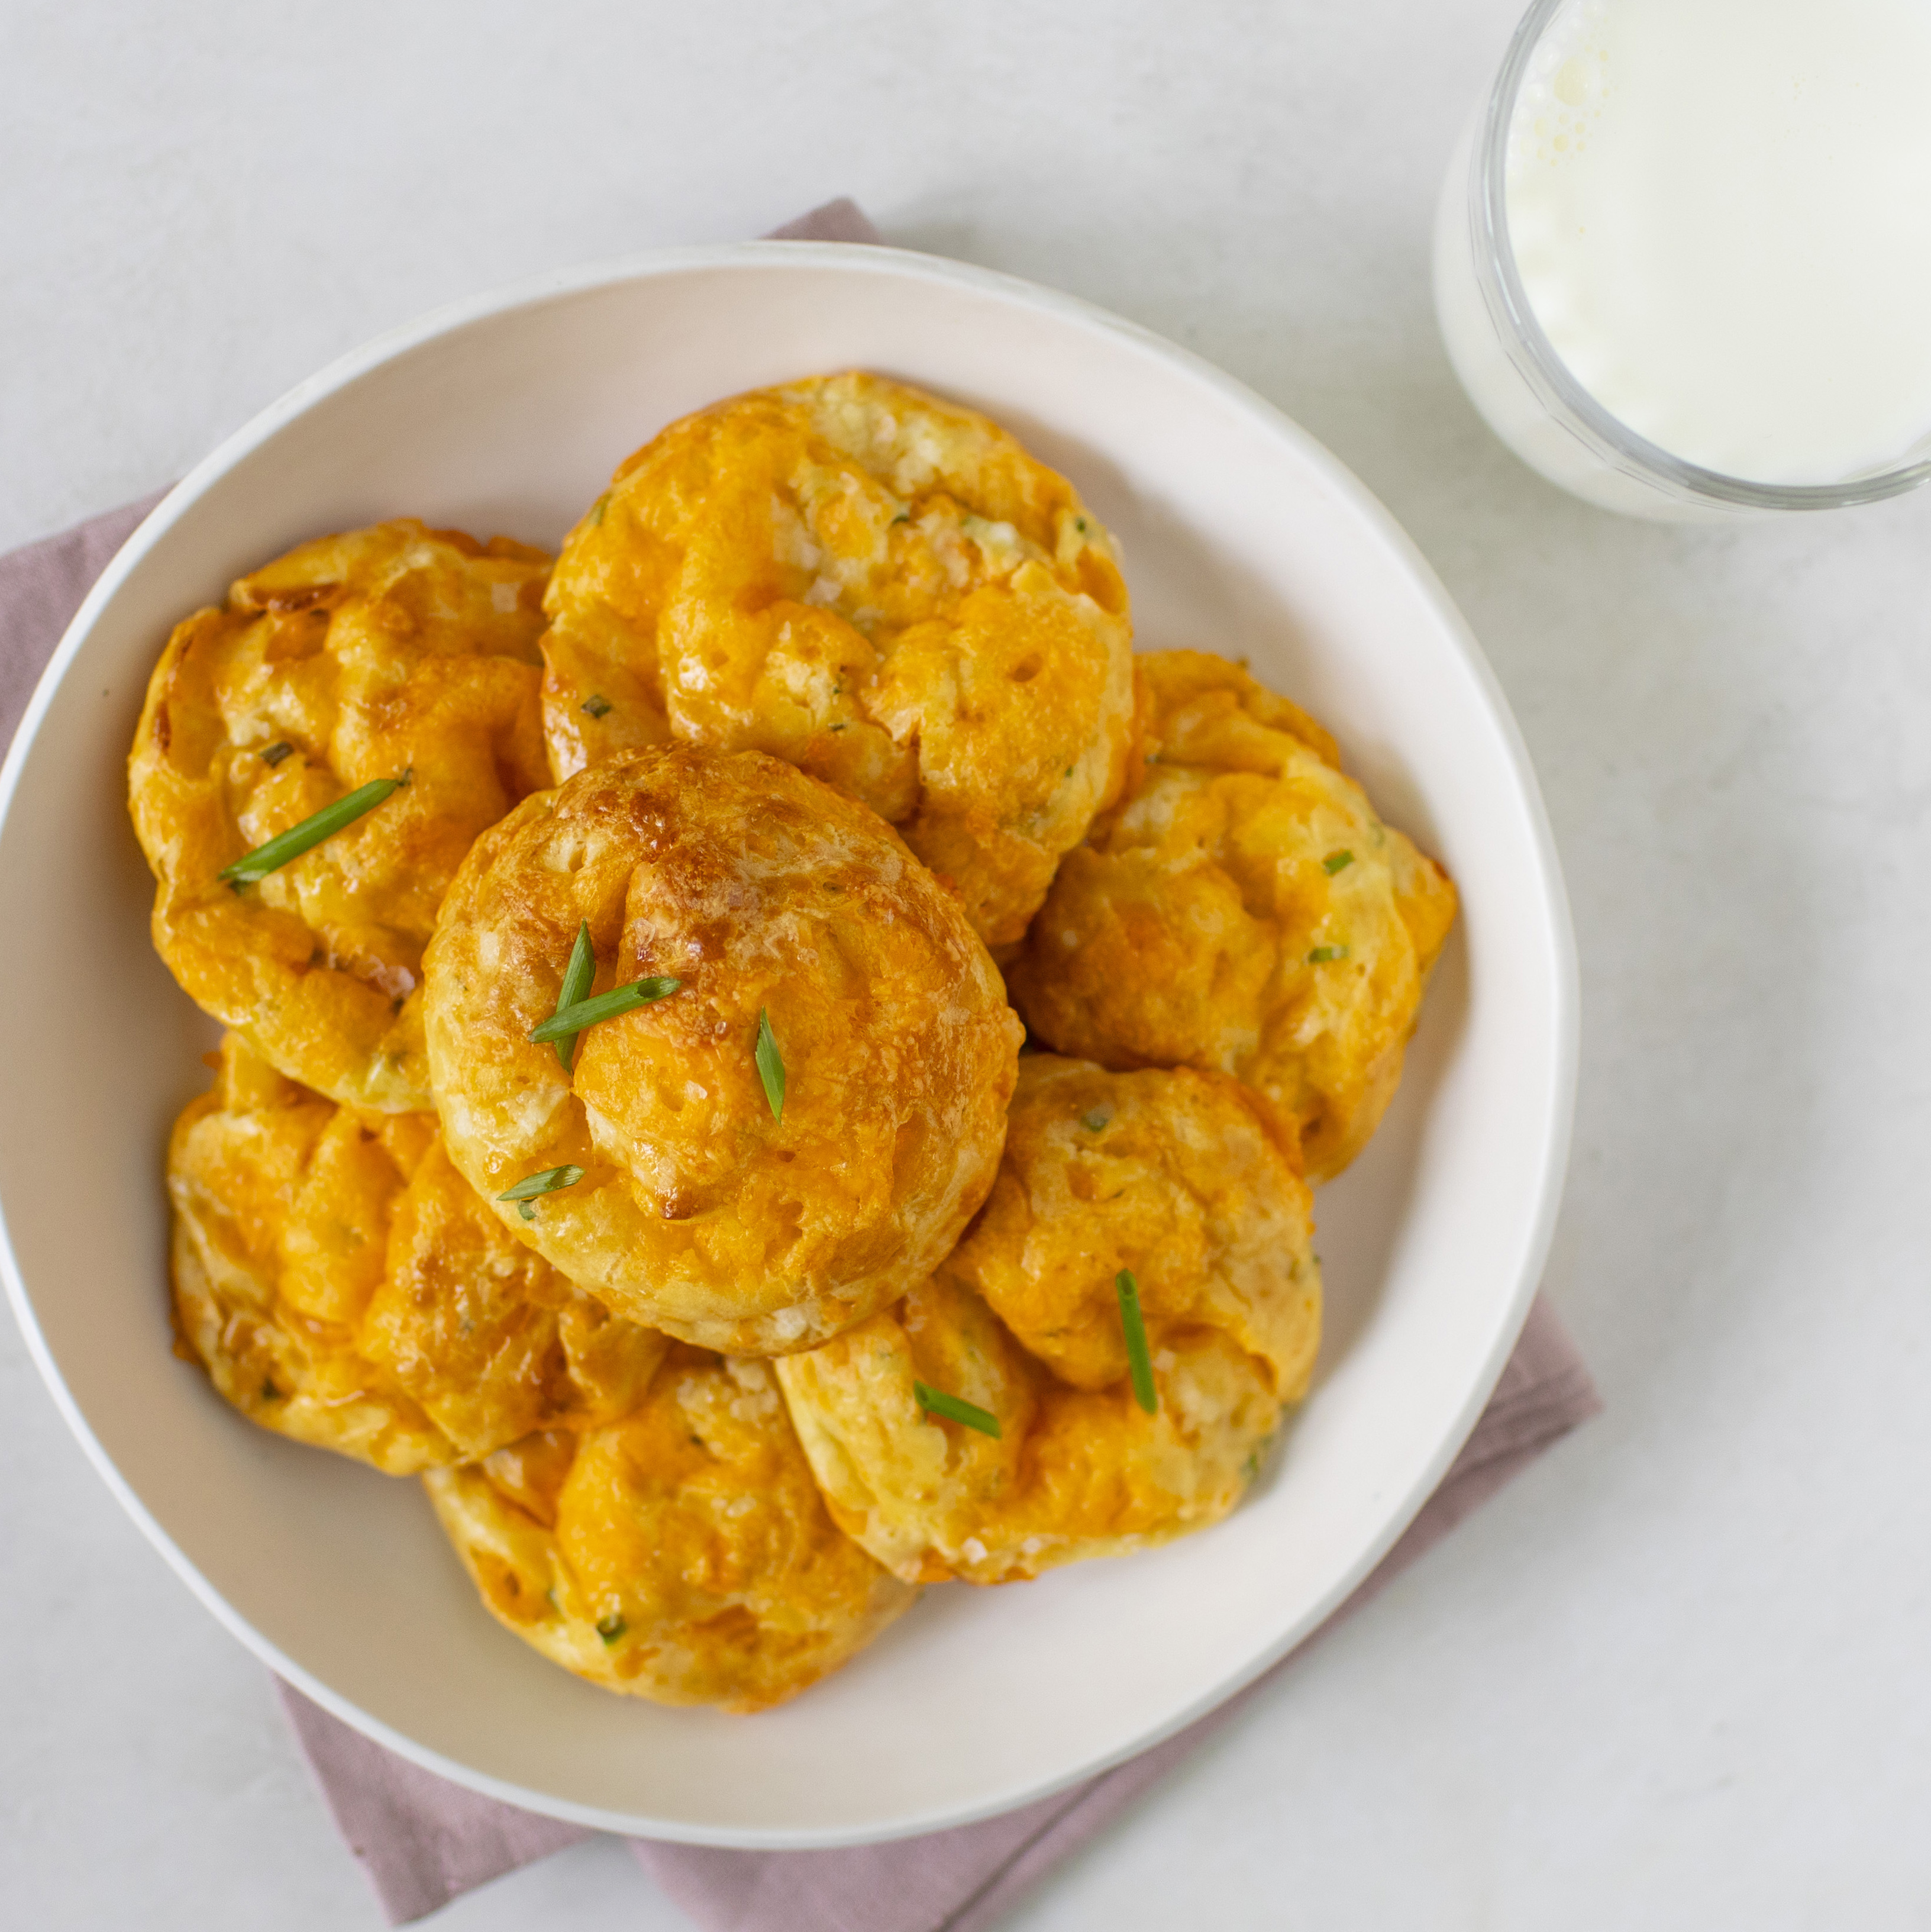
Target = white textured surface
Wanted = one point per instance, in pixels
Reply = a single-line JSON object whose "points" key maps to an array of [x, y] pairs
{"points": [[1674, 1678]]}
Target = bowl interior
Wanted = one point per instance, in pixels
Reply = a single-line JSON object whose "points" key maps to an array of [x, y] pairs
{"points": [[1240, 536]]}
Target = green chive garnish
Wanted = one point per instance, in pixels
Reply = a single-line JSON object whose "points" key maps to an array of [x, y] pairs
{"points": [[533, 1186], [770, 1065], [1097, 1121], [955, 1409], [573, 1019], [1337, 861], [274, 754], [254, 866], [1134, 1328], [577, 977], [603, 503], [611, 1628], [1321, 955], [597, 705]]}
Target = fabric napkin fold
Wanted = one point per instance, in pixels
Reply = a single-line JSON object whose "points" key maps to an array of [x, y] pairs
{"points": [[424, 1841]]}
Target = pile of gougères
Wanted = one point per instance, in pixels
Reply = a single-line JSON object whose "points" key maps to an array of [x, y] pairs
{"points": [[623, 1120]]}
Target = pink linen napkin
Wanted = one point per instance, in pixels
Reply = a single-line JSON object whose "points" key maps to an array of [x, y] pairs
{"points": [[424, 1841]]}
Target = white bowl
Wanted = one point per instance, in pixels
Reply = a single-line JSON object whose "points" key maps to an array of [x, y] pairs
{"points": [[1240, 535]]}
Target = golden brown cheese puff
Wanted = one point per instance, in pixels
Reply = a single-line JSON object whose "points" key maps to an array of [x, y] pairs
{"points": [[485, 1333], [766, 896], [682, 1554], [1244, 910], [882, 588], [383, 651], [342, 1284], [1175, 1176], [282, 1204]]}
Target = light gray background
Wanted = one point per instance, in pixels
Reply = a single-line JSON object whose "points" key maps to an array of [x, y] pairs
{"points": [[1677, 1676]]}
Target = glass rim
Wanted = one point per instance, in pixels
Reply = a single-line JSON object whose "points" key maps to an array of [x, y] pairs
{"points": [[1535, 358]]}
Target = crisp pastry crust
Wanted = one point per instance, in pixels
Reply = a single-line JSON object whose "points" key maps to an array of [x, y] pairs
{"points": [[682, 1554], [882, 588], [342, 1284], [380, 651], [1245, 909], [763, 892], [1178, 1176]]}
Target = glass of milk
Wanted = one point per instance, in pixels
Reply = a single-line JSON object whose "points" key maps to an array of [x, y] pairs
{"points": [[1683, 257]]}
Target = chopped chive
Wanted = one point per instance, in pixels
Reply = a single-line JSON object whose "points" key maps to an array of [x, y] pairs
{"points": [[577, 977], [1097, 1121], [255, 866], [274, 754], [1134, 1328], [269, 1392], [573, 1019], [1079, 524], [770, 1065], [597, 705], [1069, 771], [527, 1190], [841, 728], [603, 504], [1321, 955], [611, 1628], [956, 1408], [1337, 861], [903, 517], [547, 1182]]}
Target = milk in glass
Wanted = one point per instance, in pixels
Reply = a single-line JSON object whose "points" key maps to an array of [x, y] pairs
{"points": [[1720, 213]]}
